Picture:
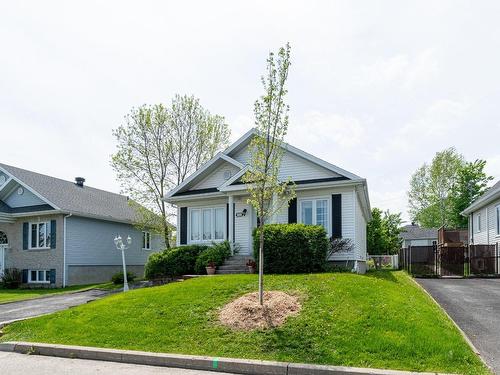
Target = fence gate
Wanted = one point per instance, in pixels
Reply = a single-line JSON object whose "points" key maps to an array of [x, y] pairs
{"points": [[452, 261]]}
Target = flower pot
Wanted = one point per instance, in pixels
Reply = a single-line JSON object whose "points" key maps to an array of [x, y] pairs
{"points": [[251, 269], [210, 270]]}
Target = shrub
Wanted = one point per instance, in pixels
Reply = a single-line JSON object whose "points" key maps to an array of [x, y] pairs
{"points": [[217, 253], [292, 248], [11, 278], [173, 262], [117, 278]]}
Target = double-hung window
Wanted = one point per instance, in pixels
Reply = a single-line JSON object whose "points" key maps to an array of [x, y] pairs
{"points": [[315, 212], [39, 236], [207, 224], [39, 276], [146, 240]]}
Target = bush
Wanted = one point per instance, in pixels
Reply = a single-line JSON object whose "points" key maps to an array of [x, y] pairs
{"points": [[292, 248], [117, 278], [217, 253], [11, 278], [173, 262]]}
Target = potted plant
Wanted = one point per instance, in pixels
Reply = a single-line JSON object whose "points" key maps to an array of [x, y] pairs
{"points": [[210, 268], [251, 265]]}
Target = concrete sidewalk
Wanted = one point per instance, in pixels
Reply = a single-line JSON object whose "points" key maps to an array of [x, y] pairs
{"points": [[13, 311], [191, 362], [15, 363]]}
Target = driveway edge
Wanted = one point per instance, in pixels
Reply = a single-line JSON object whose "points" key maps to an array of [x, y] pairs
{"points": [[464, 335], [233, 365]]}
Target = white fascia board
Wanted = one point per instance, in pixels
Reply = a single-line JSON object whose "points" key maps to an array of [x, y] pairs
{"points": [[478, 204], [239, 141], [231, 160], [29, 188], [227, 183], [200, 170]]}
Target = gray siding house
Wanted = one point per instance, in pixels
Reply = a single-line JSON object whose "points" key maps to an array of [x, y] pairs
{"points": [[414, 235], [212, 202], [61, 233], [484, 217]]}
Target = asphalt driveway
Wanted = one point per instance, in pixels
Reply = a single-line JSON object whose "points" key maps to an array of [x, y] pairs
{"points": [[474, 304], [10, 312]]}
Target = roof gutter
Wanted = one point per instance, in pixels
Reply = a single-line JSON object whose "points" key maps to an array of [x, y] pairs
{"points": [[480, 203]]}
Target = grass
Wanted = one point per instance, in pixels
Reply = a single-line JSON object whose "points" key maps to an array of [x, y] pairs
{"points": [[380, 320], [12, 295]]}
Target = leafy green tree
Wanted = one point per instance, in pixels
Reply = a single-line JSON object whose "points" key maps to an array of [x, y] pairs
{"points": [[430, 189], [472, 182], [157, 148], [268, 194], [383, 233]]}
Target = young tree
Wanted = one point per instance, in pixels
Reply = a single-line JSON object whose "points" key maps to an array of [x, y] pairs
{"points": [[158, 147], [268, 194], [430, 189], [472, 182]]}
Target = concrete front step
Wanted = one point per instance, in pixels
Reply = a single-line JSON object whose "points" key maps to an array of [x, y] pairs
{"points": [[230, 272], [232, 267]]}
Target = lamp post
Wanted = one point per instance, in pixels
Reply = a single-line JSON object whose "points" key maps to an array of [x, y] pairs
{"points": [[121, 246]]}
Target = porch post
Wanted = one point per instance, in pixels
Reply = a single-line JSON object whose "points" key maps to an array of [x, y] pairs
{"points": [[231, 221]]}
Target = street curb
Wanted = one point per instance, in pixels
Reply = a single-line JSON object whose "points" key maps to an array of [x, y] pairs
{"points": [[203, 363], [464, 335]]}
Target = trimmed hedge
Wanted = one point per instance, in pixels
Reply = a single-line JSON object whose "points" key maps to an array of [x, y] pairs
{"points": [[174, 262], [292, 248], [217, 253], [117, 278]]}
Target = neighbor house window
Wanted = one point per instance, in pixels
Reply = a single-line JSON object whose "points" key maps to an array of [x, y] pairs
{"points": [[478, 223], [315, 212], [146, 240], [207, 224], [39, 276], [40, 235], [497, 211]]}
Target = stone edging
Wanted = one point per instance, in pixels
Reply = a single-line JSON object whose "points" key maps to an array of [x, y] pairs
{"points": [[238, 366]]}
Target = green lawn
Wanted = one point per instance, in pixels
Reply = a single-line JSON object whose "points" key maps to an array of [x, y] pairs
{"points": [[380, 320], [11, 295]]}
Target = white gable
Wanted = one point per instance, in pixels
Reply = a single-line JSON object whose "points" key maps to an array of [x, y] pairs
{"points": [[293, 166], [216, 177]]}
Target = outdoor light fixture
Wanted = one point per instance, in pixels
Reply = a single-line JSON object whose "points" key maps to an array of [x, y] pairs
{"points": [[242, 213], [121, 246]]}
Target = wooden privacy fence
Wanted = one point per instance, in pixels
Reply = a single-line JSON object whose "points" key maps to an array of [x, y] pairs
{"points": [[442, 261]]}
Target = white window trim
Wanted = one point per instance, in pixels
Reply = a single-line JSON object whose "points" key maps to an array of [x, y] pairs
{"points": [[329, 207], [478, 223], [30, 234], [201, 208], [146, 233], [30, 281], [497, 221]]}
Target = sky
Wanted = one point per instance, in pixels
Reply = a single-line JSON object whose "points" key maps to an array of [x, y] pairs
{"points": [[375, 87]]}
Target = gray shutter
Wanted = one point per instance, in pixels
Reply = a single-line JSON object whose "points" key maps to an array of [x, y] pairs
{"points": [[52, 276], [53, 227], [337, 215], [26, 230], [292, 211], [183, 229], [25, 277]]}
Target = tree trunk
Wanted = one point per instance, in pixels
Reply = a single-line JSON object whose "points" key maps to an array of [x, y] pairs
{"points": [[166, 235], [261, 264]]}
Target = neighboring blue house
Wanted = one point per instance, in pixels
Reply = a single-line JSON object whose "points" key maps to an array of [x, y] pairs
{"points": [[61, 233]]}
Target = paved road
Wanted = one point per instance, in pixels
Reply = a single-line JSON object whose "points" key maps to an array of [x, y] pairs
{"points": [[474, 304], [14, 363], [27, 309]]}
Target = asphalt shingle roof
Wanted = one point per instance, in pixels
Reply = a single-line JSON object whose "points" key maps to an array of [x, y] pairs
{"points": [[414, 232], [67, 196]]}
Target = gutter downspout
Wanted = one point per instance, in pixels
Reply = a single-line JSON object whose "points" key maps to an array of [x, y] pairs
{"points": [[64, 250]]}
